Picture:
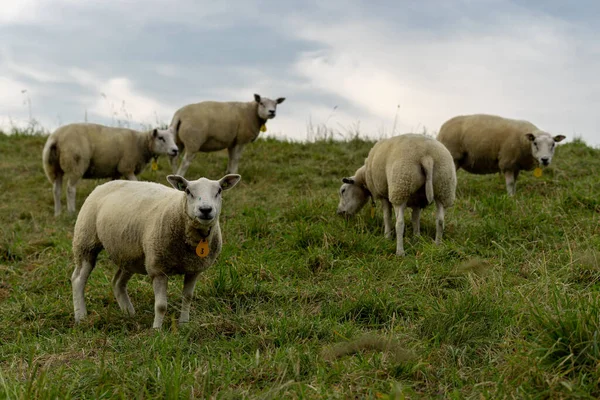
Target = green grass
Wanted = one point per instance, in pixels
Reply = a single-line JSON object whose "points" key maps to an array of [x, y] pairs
{"points": [[303, 304]]}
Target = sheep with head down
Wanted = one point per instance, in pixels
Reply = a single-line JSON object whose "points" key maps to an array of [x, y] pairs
{"points": [[151, 229], [212, 126], [92, 151], [486, 144], [408, 170]]}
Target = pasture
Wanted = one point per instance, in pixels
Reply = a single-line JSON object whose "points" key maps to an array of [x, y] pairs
{"points": [[304, 304]]}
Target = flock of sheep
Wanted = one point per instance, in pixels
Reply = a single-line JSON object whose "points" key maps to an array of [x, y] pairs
{"points": [[149, 228]]}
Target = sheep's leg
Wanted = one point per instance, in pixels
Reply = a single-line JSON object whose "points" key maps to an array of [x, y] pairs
{"points": [[119, 283], [130, 176], [173, 162], [400, 229], [416, 220], [159, 283], [439, 222], [387, 218], [235, 153], [511, 182], [188, 157], [57, 191], [189, 282], [83, 268], [71, 191]]}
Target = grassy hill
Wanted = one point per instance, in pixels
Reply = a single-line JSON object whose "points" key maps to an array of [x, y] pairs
{"points": [[304, 304]]}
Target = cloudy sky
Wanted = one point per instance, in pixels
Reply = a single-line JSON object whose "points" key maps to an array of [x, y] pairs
{"points": [[376, 67]]}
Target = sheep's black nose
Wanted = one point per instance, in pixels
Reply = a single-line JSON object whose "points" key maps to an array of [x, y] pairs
{"points": [[545, 160], [174, 152], [206, 210], [271, 112]]}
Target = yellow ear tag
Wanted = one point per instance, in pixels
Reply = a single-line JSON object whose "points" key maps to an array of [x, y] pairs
{"points": [[154, 165], [202, 249], [263, 128], [537, 172]]}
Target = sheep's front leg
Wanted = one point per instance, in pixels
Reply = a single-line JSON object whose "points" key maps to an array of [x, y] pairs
{"points": [[57, 189], [119, 283], [130, 176], [511, 182], [400, 229], [173, 162], [387, 218], [159, 283], [416, 220], [235, 153], [189, 282], [439, 222]]}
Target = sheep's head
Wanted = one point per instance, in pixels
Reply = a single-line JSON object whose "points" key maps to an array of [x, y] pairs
{"points": [[163, 142], [353, 197], [203, 196], [267, 107], [542, 146]]}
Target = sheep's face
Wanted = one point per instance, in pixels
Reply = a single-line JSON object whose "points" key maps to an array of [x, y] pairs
{"points": [[163, 142], [267, 108], [353, 197], [542, 146], [203, 196]]}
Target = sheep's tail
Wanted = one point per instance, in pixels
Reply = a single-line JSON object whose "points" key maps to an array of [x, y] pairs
{"points": [[427, 164], [51, 160], [175, 124]]}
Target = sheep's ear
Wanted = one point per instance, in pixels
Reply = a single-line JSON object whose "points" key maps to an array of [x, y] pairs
{"points": [[530, 136], [178, 182], [280, 100], [257, 97], [154, 132], [229, 181], [559, 138], [349, 181]]}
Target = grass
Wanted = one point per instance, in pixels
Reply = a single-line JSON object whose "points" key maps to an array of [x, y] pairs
{"points": [[303, 304]]}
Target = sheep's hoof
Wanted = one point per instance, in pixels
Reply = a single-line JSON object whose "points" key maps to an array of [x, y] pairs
{"points": [[400, 253]]}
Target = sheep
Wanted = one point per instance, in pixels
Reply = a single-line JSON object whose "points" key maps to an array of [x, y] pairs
{"points": [[211, 126], [409, 170], [148, 228], [486, 144], [96, 151]]}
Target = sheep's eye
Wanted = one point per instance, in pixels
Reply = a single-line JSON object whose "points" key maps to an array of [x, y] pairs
{"points": [[219, 192], [187, 191], [162, 139], [343, 190]]}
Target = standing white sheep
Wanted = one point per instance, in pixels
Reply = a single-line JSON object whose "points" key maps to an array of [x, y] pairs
{"points": [[211, 126], [409, 170], [148, 228], [486, 144], [95, 151]]}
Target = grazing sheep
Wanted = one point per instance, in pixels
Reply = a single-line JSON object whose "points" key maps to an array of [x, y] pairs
{"points": [[97, 151], [485, 144], [211, 126], [148, 228], [409, 170]]}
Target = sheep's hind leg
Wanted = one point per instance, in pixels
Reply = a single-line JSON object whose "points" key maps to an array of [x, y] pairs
{"points": [[400, 229], [416, 220], [439, 223], [188, 157], [159, 283], [83, 268], [189, 282], [119, 283], [235, 153], [387, 218], [57, 191], [71, 193], [511, 182]]}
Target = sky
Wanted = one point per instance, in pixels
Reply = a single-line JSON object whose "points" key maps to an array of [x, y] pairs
{"points": [[376, 68]]}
